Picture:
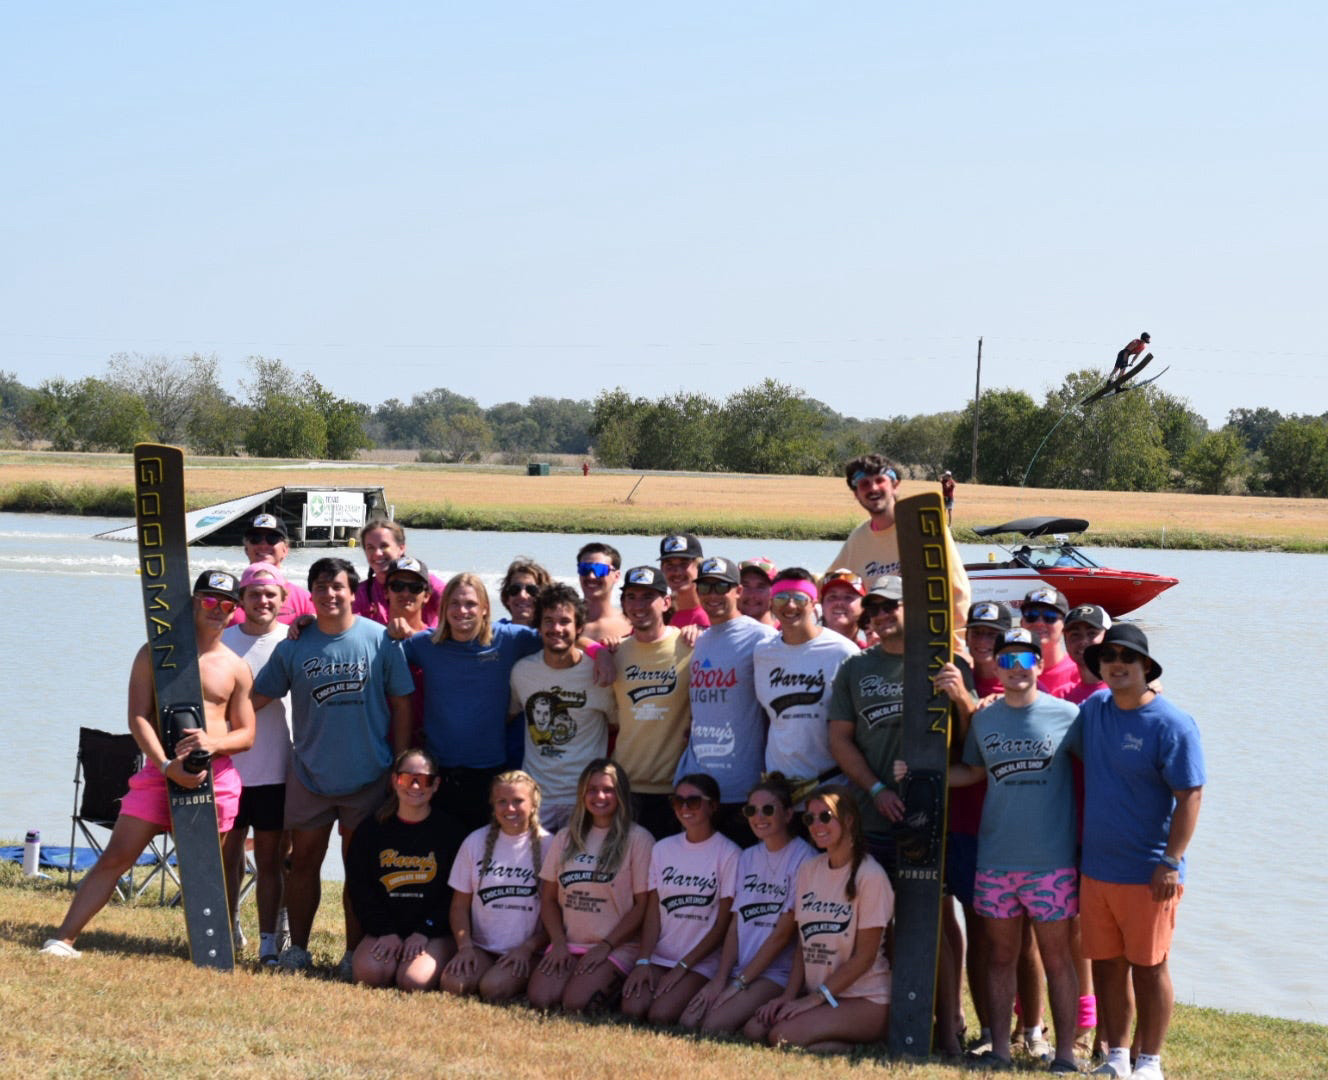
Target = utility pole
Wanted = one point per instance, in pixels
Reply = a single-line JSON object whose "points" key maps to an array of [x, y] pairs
{"points": [[977, 398]]}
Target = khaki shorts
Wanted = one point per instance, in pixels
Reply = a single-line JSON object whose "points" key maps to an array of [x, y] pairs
{"points": [[306, 809], [1125, 920]]}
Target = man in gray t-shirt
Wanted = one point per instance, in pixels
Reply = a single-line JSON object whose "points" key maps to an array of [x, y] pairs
{"points": [[728, 727]]}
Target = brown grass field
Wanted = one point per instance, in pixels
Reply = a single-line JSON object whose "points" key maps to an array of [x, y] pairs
{"points": [[132, 1006], [714, 503]]}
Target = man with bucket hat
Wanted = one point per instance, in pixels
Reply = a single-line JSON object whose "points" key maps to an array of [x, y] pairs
{"points": [[1143, 779]]}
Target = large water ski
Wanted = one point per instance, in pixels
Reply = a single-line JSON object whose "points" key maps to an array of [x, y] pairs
{"points": [[1146, 382], [1115, 384], [925, 744], [163, 560]]}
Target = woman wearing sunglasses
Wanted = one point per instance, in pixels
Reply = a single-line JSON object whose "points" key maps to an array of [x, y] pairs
{"points": [[692, 879], [595, 881], [495, 895], [467, 668], [520, 589], [396, 875], [838, 993], [758, 954]]}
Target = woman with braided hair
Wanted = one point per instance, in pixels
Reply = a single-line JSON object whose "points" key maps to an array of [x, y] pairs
{"points": [[838, 994], [495, 914]]}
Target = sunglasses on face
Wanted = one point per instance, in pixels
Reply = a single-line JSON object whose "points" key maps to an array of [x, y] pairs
{"points": [[1027, 661], [766, 810], [1111, 655], [594, 569], [691, 802], [265, 537], [791, 599], [824, 817], [415, 779], [517, 590], [714, 588], [412, 587], [1041, 616], [212, 602], [877, 607]]}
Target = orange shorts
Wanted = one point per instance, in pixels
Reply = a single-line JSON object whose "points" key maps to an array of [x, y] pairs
{"points": [[1125, 920]]}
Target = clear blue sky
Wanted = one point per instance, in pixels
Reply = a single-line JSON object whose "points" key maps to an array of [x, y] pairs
{"points": [[514, 199]]}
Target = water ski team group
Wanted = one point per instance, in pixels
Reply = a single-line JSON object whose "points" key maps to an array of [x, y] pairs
{"points": [[604, 807]]}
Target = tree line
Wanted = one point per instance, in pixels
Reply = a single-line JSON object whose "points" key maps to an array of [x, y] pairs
{"points": [[1143, 440]]}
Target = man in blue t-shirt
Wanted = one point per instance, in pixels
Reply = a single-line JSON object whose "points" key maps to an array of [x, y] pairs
{"points": [[727, 738], [350, 693], [1143, 783]]}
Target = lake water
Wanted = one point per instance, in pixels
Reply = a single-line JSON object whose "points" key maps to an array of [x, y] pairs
{"points": [[1236, 639]]}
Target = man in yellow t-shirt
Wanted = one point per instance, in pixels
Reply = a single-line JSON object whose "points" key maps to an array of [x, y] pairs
{"points": [[654, 708], [872, 549]]}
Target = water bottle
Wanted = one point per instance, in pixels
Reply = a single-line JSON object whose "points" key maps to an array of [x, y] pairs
{"points": [[31, 853]]}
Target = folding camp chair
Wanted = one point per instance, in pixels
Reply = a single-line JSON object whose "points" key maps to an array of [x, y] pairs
{"points": [[105, 764]]}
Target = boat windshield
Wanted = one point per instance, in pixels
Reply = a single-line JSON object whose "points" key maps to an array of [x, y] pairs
{"points": [[1065, 554]]}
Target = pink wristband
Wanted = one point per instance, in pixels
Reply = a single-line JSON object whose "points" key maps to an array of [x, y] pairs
{"points": [[1088, 1011]]}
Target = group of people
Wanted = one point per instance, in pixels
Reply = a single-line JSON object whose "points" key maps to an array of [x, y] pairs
{"points": [[605, 797]]}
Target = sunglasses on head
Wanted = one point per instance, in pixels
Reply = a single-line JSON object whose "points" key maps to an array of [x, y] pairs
{"points": [[714, 588], [791, 599], [519, 589], [824, 817], [1041, 615], [594, 569], [1016, 658], [1110, 654], [691, 802], [412, 587], [266, 536], [210, 602], [415, 779], [766, 810]]}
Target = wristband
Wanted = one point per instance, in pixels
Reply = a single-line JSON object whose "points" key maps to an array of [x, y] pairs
{"points": [[643, 962], [829, 997], [164, 766], [1169, 860], [683, 964], [876, 788]]}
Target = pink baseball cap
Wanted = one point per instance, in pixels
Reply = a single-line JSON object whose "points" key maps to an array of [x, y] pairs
{"points": [[261, 573]]}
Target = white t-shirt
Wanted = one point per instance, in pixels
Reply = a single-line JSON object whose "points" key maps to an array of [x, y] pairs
{"points": [[265, 762], [793, 685], [567, 719], [764, 893], [504, 893], [690, 881]]}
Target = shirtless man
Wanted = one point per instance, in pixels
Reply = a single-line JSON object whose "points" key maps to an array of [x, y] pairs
{"points": [[229, 728], [597, 567], [680, 557]]}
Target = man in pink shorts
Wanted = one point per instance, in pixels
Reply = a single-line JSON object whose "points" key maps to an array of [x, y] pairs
{"points": [[228, 729]]}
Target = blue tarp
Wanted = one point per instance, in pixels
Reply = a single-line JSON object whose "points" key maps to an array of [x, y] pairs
{"points": [[58, 858]]}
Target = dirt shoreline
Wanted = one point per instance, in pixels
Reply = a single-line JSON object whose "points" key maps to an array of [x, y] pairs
{"points": [[714, 503]]}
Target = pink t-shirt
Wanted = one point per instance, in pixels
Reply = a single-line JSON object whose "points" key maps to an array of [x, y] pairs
{"points": [[371, 601], [828, 923], [691, 617], [592, 902], [764, 893], [1082, 691], [1059, 679], [690, 880], [504, 893]]}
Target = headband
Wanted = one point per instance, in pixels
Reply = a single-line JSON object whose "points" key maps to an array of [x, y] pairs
{"points": [[795, 585], [862, 474]]}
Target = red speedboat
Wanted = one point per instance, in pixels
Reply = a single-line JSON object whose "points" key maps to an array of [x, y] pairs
{"points": [[1056, 561]]}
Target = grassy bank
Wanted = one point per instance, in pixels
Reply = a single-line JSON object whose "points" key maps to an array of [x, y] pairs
{"points": [[133, 1006], [614, 503]]}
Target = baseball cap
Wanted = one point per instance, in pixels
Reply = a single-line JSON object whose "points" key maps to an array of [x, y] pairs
{"points": [[218, 582], [992, 614], [887, 587], [262, 573], [1046, 596], [408, 564], [719, 568], [268, 521], [842, 576], [680, 546], [1094, 616], [1020, 639], [763, 563], [647, 576]]}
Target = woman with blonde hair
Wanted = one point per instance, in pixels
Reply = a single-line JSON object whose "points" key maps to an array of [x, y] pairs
{"points": [[593, 897], [838, 993], [466, 669], [396, 878], [495, 914]]}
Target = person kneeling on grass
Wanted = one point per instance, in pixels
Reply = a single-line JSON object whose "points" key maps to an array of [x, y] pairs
{"points": [[838, 994], [758, 951], [595, 881], [396, 873], [692, 879], [495, 913]]}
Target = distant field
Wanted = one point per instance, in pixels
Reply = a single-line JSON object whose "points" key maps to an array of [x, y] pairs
{"points": [[459, 497]]}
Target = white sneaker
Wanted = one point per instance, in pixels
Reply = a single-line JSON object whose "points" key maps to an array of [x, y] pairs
{"points": [[1148, 1072], [1039, 1048], [56, 947]]}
